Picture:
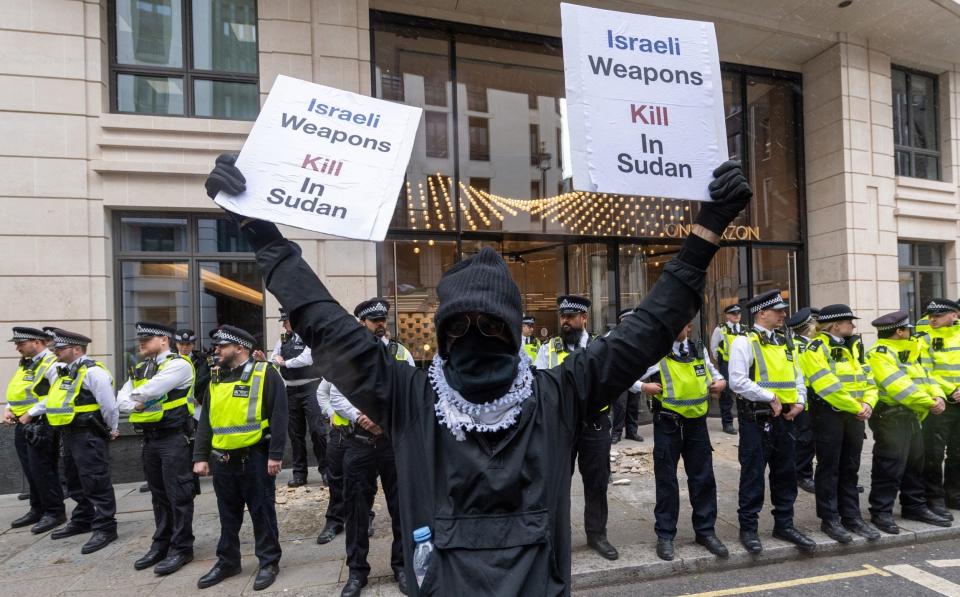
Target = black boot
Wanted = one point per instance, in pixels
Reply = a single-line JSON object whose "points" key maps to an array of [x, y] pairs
{"points": [[792, 535], [31, 517], [171, 564], [151, 558], [806, 484], [885, 523], [265, 577], [329, 532], [600, 545], [713, 545], [940, 510], [98, 541], [751, 542], [353, 587], [47, 523], [217, 574], [927, 516], [835, 531], [862, 528], [665, 548]]}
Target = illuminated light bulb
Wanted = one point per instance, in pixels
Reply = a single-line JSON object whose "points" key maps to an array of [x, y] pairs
{"points": [[416, 250], [426, 348]]}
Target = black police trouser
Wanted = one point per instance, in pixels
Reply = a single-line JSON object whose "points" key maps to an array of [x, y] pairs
{"points": [[941, 477], [806, 447], [675, 436], [839, 437], [243, 481], [364, 459], [336, 445], [305, 415], [726, 396], [592, 450], [763, 443], [86, 461], [626, 412], [897, 461], [40, 466], [167, 464]]}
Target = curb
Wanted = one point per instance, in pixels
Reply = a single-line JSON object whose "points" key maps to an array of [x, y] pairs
{"points": [[639, 563]]}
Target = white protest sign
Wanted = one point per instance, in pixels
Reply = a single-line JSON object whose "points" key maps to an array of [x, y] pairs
{"points": [[644, 102], [326, 160]]}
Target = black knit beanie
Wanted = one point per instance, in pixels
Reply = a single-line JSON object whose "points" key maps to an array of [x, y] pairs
{"points": [[480, 284]]}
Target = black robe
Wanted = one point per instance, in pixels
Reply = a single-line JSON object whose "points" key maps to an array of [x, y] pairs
{"points": [[500, 514]]}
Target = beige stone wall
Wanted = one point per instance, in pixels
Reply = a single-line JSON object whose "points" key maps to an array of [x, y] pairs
{"points": [[857, 207], [68, 163]]}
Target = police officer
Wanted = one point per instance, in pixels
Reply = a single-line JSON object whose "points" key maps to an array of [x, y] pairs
{"points": [[941, 356], [770, 394], [244, 427], [531, 344], [802, 327], [37, 444], [626, 408], [159, 397], [186, 341], [681, 385], [592, 447], [81, 404], [844, 396], [301, 376], [907, 396], [368, 453], [720, 342]]}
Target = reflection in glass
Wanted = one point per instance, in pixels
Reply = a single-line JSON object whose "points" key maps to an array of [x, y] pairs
{"points": [[726, 285], [409, 281], [219, 235], [149, 32], [231, 292], [587, 275], [219, 99], [773, 269], [151, 291], [225, 35], [149, 95], [153, 234]]}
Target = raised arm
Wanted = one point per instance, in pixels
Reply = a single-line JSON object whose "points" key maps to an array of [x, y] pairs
{"points": [[352, 358], [610, 364]]}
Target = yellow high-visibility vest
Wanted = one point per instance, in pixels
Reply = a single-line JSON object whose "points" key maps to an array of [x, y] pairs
{"points": [[22, 391]]}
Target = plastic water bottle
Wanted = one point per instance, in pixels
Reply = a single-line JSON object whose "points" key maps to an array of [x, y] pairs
{"points": [[422, 553]]}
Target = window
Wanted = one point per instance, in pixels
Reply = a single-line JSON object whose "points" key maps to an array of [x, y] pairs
{"points": [[192, 271], [185, 58], [915, 124], [479, 140], [436, 133], [921, 275]]}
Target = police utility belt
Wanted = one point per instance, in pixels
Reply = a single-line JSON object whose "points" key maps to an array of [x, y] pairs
{"points": [[356, 432], [758, 412], [240, 454], [892, 411], [83, 422], [664, 413]]}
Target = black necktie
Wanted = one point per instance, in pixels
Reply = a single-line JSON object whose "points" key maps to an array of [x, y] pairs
{"points": [[682, 351]]}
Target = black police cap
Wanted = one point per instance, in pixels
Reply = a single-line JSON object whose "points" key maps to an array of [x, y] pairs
{"points": [[64, 338], [800, 319], [892, 321], [768, 300], [941, 305], [228, 334], [569, 303], [732, 309], [148, 329], [23, 334], [375, 308], [838, 312], [185, 336]]}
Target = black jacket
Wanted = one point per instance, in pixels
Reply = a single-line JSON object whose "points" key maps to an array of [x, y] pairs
{"points": [[500, 514]]}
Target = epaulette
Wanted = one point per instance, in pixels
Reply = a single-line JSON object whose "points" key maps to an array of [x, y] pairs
{"points": [[816, 344], [880, 349]]}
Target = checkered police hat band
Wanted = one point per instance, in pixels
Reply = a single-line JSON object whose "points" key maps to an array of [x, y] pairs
{"points": [[777, 300], [149, 331], [835, 316], [378, 310], [894, 326], [935, 306], [568, 305], [24, 336], [67, 341], [230, 338]]}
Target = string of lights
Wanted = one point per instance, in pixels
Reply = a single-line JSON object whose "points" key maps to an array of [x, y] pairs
{"points": [[431, 207]]}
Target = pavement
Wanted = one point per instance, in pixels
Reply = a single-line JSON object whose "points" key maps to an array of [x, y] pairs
{"points": [[58, 568]]}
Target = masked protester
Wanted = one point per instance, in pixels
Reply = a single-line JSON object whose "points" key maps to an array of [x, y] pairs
{"points": [[483, 443]]}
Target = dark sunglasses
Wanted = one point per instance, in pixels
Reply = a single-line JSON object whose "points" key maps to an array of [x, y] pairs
{"points": [[488, 325]]}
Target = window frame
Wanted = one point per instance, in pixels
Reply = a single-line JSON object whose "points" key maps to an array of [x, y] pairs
{"points": [[916, 309], [192, 256], [187, 72], [911, 151]]}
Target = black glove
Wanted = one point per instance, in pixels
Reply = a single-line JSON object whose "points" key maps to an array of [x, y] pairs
{"points": [[226, 177], [730, 192]]}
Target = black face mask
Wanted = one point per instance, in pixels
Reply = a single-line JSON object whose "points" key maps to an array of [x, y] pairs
{"points": [[481, 368]]}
